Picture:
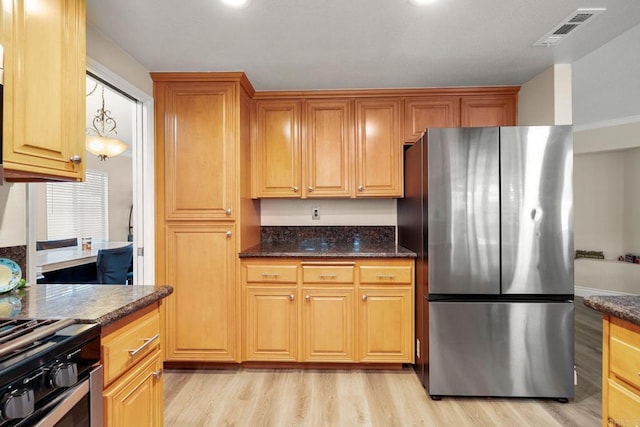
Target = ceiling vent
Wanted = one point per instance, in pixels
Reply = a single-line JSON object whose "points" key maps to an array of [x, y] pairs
{"points": [[568, 25]]}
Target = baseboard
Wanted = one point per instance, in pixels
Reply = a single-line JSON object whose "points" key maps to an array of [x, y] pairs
{"points": [[582, 291]]}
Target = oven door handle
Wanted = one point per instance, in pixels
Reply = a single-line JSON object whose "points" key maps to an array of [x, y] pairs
{"points": [[91, 386]]}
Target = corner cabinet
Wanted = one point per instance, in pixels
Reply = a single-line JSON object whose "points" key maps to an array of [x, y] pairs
{"points": [[620, 372], [329, 311], [204, 212], [44, 90]]}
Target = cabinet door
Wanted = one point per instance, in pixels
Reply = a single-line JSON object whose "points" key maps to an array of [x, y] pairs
{"points": [[488, 110], [328, 325], [429, 112], [271, 324], [44, 90], [328, 149], [378, 148], [197, 122], [386, 325], [201, 314], [277, 160], [136, 398]]}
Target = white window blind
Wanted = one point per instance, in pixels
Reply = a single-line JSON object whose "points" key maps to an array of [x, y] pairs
{"points": [[79, 209]]}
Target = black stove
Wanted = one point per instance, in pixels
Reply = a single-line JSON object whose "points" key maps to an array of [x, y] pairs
{"points": [[39, 361]]}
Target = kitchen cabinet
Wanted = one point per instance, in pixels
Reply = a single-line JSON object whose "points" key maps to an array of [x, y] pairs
{"points": [[620, 367], [132, 362], [488, 110], [205, 214], [44, 90], [301, 310], [378, 148], [276, 159], [425, 112]]}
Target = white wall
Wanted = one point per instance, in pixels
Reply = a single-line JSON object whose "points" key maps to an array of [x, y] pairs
{"points": [[546, 98], [280, 212], [13, 229]]}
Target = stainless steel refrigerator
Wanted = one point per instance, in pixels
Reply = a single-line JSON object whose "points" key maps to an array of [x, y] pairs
{"points": [[490, 213]]}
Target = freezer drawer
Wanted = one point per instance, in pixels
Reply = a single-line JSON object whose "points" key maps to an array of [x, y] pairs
{"points": [[507, 349]]}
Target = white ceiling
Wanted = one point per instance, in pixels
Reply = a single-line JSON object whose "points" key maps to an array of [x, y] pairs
{"points": [[341, 44]]}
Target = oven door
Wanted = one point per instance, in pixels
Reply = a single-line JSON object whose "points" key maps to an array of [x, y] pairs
{"points": [[80, 405]]}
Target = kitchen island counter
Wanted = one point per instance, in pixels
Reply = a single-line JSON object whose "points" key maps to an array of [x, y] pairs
{"points": [[102, 304], [625, 307]]}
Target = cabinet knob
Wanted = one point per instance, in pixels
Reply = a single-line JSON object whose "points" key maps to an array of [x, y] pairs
{"points": [[157, 374], [364, 297], [227, 211], [295, 188], [292, 297], [360, 188], [75, 159], [228, 233], [310, 188], [307, 298]]}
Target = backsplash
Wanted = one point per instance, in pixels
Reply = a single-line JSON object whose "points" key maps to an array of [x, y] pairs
{"points": [[17, 254], [329, 234]]}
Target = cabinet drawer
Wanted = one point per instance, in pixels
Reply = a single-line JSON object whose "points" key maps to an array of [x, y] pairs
{"points": [[128, 345], [624, 361], [272, 273], [624, 405], [327, 274], [389, 274]]}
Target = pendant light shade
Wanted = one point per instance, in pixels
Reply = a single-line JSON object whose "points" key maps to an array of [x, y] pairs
{"points": [[99, 140]]}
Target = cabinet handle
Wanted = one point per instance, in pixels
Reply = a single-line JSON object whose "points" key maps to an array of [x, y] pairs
{"points": [[75, 159], [146, 343], [310, 188], [328, 276], [270, 275], [307, 298], [360, 188], [228, 233], [292, 297], [295, 188], [386, 276], [157, 374], [228, 211], [364, 297]]}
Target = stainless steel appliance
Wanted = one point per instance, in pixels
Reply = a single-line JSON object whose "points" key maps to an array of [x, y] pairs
{"points": [[489, 212], [50, 373]]}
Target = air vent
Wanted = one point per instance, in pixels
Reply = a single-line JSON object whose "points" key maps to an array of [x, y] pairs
{"points": [[568, 25]]}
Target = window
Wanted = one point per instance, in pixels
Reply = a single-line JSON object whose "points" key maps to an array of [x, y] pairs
{"points": [[79, 209]]}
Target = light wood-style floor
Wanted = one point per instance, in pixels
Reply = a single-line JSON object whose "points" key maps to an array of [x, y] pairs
{"points": [[296, 397]]}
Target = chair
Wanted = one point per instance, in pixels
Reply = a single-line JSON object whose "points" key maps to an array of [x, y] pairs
{"points": [[53, 244], [112, 265]]}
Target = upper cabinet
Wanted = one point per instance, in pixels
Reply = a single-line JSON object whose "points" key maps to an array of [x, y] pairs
{"points": [[425, 112], [488, 110], [44, 90]]}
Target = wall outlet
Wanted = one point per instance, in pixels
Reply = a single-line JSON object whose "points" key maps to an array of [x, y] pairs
{"points": [[315, 213]]}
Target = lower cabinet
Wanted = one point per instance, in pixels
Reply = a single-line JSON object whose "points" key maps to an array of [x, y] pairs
{"points": [[132, 362], [620, 368], [330, 311]]}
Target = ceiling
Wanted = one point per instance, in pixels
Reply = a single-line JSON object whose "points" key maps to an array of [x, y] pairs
{"points": [[346, 44]]}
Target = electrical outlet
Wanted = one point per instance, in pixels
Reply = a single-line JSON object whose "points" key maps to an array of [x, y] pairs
{"points": [[315, 213]]}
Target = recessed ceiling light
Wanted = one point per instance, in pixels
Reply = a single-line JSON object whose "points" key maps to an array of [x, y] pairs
{"points": [[236, 3], [421, 2]]}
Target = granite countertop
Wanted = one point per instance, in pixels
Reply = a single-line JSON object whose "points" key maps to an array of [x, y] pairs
{"points": [[625, 307], [103, 304], [322, 249]]}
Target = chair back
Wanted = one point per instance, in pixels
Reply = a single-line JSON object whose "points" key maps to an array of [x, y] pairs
{"points": [[53, 244], [112, 265]]}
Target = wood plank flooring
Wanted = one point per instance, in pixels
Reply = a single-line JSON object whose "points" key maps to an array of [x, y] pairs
{"points": [[296, 397]]}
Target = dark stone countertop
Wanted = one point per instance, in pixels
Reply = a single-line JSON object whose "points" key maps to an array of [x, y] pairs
{"points": [[625, 307], [103, 304], [309, 248]]}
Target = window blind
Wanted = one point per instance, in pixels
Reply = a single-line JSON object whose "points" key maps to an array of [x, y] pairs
{"points": [[79, 209]]}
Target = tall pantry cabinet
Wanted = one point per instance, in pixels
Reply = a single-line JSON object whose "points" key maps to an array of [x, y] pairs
{"points": [[204, 213]]}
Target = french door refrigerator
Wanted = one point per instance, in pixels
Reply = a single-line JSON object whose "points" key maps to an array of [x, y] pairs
{"points": [[490, 213]]}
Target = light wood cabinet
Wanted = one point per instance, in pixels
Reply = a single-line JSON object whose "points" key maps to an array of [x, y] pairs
{"points": [[425, 112], [44, 90], [205, 214], [488, 110], [132, 361], [378, 148], [316, 318], [620, 368], [277, 159]]}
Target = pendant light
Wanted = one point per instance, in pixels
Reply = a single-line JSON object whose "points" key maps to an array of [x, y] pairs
{"points": [[99, 140]]}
